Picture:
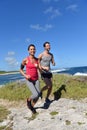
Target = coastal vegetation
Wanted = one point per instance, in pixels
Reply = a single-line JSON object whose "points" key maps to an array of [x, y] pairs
{"points": [[1, 72], [8, 72], [3, 113], [65, 86]]}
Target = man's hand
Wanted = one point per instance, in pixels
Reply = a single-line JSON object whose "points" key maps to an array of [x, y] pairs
{"points": [[45, 68]]}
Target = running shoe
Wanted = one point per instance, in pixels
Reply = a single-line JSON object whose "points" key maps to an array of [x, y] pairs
{"points": [[31, 107], [40, 95], [47, 100]]}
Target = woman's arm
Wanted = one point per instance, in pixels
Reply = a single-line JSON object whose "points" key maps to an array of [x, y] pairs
{"points": [[22, 69]]}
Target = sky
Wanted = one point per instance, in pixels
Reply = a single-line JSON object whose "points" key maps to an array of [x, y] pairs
{"points": [[61, 22]]}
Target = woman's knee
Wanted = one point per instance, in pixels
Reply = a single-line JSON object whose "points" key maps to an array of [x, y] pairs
{"points": [[36, 96]]}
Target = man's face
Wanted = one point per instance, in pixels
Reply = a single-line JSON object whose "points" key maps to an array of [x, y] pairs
{"points": [[47, 47]]}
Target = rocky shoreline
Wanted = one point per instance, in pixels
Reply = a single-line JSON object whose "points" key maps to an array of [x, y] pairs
{"points": [[62, 114]]}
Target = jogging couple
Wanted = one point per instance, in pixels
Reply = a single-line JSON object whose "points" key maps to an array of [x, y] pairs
{"points": [[33, 66]]}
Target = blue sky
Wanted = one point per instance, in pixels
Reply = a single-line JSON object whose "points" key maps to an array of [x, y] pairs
{"points": [[61, 22]]}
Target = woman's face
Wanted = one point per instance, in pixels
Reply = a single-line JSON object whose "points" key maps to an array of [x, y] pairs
{"points": [[32, 50]]}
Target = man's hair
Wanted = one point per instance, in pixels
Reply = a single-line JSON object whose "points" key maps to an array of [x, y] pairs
{"points": [[46, 43], [30, 46]]}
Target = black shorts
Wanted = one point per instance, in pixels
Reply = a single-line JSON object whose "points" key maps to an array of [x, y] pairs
{"points": [[46, 75]]}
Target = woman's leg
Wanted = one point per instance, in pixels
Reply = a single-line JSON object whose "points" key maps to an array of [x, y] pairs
{"points": [[37, 87], [33, 89], [34, 97]]}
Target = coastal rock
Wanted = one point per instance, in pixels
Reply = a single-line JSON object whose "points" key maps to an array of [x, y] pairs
{"points": [[62, 114]]}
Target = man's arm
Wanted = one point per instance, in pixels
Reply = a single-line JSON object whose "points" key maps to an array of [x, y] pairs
{"points": [[53, 62], [39, 60]]}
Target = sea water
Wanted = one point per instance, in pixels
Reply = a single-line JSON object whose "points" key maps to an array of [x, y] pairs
{"points": [[17, 77]]}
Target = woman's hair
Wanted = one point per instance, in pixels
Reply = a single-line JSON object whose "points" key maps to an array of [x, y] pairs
{"points": [[30, 46], [46, 43]]}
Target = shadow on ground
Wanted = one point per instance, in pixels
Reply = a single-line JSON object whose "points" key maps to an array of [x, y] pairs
{"points": [[45, 105], [57, 95]]}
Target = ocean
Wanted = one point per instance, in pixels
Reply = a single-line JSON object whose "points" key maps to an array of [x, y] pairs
{"points": [[17, 77], [6, 78]]}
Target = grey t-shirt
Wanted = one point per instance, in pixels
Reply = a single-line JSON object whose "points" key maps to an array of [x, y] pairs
{"points": [[45, 61]]}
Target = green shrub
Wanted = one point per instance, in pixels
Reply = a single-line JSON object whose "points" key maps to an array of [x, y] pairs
{"points": [[3, 113], [65, 86]]}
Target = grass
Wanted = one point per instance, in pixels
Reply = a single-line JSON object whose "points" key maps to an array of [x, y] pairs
{"points": [[53, 113], [5, 128], [3, 113], [64, 86], [14, 92], [2, 127], [32, 117], [67, 86], [81, 123], [68, 122], [86, 113]]}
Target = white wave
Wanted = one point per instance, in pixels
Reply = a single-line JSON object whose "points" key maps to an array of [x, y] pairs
{"points": [[2, 85], [57, 70], [80, 74]]}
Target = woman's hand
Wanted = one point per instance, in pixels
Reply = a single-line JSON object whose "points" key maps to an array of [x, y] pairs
{"points": [[27, 77], [36, 65]]}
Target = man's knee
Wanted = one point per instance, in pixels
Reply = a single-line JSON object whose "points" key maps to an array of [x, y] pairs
{"points": [[49, 87]]}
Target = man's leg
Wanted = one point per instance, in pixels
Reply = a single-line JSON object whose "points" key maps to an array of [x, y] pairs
{"points": [[49, 87]]}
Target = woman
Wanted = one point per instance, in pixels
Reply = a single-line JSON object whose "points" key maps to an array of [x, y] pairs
{"points": [[31, 75]]}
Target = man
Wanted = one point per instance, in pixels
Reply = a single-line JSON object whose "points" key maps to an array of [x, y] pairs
{"points": [[45, 58]]}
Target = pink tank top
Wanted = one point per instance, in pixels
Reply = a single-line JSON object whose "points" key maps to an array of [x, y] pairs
{"points": [[31, 69]]}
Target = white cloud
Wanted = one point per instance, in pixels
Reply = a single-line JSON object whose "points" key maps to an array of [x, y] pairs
{"points": [[56, 0], [27, 40], [11, 53], [53, 12], [72, 7], [11, 60], [49, 10], [46, 0], [50, 1], [42, 28]]}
